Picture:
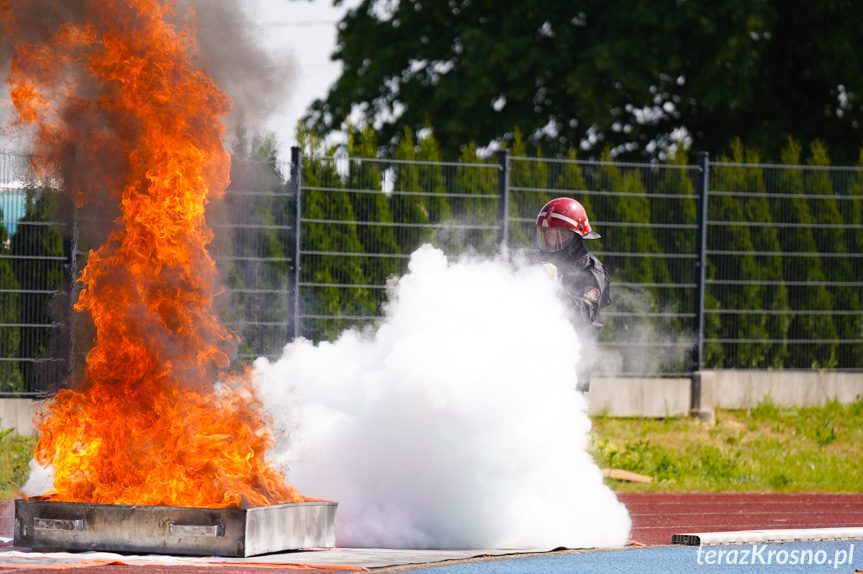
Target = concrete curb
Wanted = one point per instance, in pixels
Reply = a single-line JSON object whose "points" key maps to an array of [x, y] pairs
{"points": [[765, 536]]}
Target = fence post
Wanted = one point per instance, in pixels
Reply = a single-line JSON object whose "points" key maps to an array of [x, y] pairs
{"points": [[503, 196], [295, 186], [73, 281], [701, 258]]}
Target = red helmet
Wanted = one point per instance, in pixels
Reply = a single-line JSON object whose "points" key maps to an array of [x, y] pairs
{"points": [[562, 213]]}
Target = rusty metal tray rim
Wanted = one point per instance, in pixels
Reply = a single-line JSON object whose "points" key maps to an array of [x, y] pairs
{"points": [[37, 500]]}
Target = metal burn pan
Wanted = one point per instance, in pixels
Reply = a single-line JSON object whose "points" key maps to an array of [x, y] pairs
{"points": [[48, 524]]}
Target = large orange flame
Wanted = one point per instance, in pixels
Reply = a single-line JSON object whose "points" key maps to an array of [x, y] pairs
{"points": [[155, 422]]}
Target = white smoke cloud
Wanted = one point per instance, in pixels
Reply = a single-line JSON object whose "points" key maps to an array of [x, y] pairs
{"points": [[455, 424], [40, 481]]}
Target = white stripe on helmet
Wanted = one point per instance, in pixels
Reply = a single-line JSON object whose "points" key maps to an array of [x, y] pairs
{"points": [[565, 218]]}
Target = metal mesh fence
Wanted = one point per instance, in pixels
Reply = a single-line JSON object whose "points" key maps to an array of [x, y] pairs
{"points": [[779, 247], [785, 267], [254, 226], [766, 275], [361, 218], [33, 279], [42, 341]]}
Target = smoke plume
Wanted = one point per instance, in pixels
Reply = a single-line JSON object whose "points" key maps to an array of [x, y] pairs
{"points": [[455, 423], [86, 146], [117, 95], [228, 47]]}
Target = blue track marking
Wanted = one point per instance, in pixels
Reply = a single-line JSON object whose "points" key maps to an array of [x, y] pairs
{"points": [[798, 557]]}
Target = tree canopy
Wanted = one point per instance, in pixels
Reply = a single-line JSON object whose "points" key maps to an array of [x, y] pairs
{"points": [[632, 76]]}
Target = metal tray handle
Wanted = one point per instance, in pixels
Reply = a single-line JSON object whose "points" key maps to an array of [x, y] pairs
{"points": [[203, 531], [59, 523]]}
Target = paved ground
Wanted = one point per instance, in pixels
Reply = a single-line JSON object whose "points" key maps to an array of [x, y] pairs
{"points": [[655, 518]]}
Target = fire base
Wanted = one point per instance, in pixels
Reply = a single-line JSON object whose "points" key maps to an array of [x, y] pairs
{"points": [[44, 524]]}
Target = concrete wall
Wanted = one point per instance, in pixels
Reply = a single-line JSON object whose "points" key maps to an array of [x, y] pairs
{"points": [[645, 397], [726, 389], [634, 397], [17, 414], [744, 389]]}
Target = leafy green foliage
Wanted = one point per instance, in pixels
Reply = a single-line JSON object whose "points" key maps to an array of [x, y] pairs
{"points": [[371, 205], [832, 237], [673, 218], [740, 263], [527, 180], [406, 204], [586, 75], [765, 239], [483, 210], [807, 289], [319, 271]]}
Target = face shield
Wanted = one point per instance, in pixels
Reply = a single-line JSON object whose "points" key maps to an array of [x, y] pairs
{"points": [[553, 238]]}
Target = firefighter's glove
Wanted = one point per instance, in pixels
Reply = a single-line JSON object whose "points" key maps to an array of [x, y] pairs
{"points": [[583, 385], [550, 269], [585, 310], [590, 302]]}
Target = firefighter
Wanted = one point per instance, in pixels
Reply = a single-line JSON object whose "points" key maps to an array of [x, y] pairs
{"points": [[561, 229]]}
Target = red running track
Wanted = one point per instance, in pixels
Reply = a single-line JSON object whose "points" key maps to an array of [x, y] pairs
{"points": [[657, 516]]}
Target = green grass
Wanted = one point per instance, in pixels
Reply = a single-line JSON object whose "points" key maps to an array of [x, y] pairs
{"points": [[15, 454], [766, 448]]}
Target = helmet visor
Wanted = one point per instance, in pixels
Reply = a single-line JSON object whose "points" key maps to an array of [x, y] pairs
{"points": [[553, 238]]}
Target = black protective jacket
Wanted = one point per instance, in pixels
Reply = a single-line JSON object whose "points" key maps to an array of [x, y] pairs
{"points": [[586, 283]]}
